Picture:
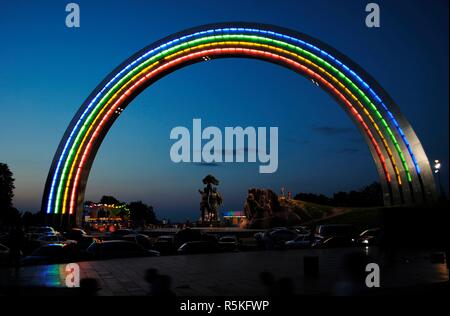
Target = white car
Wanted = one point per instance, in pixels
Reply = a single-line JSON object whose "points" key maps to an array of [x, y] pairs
{"points": [[42, 230], [54, 239]]}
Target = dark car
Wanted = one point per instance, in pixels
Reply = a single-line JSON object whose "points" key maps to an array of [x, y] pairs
{"points": [[45, 230], [332, 230], [118, 249], [301, 242], [302, 230], [196, 247], [118, 234], [370, 237], [165, 244], [186, 235], [83, 239], [336, 242], [228, 243], [276, 239], [140, 239], [52, 254], [75, 234], [54, 239]]}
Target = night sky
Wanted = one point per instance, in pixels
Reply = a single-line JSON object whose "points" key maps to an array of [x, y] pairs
{"points": [[47, 71]]}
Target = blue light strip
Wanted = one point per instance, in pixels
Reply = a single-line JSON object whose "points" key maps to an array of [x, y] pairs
{"points": [[199, 34]]}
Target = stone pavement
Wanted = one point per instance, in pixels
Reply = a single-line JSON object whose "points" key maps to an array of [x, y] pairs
{"points": [[237, 273]]}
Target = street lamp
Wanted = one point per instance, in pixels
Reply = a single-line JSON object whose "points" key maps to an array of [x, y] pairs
{"points": [[437, 167]]}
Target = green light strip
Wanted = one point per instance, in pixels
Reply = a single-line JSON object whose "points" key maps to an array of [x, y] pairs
{"points": [[212, 39]]}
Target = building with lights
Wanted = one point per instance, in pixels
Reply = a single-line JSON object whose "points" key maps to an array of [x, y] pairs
{"points": [[233, 218], [97, 215]]}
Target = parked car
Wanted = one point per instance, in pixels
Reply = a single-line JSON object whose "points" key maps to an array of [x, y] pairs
{"points": [[165, 244], [44, 230], [52, 254], [75, 234], [80, 236], [302, 230], [54, 239], [370, 237], [276, 238], [323, 232], [118, 249], [186, 235], [196, 247], [140, 239], [259, 239], [118, 234], [336, 242], [228, 243], [301, 242]]}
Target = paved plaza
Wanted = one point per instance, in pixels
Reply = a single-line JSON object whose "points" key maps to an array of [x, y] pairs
{"points": [[239, 273]]}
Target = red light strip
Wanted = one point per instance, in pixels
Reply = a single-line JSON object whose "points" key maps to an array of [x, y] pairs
{"points": [[218, 51]]}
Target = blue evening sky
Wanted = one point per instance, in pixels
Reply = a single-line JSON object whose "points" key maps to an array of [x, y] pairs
{"points": [[47, 71]]}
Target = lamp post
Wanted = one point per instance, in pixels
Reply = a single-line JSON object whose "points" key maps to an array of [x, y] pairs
{"points": [[437, 171]]}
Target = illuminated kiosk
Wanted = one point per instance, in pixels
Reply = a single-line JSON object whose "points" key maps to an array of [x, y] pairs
{"points": [[234, 218], [98, 214], [402, 165]]}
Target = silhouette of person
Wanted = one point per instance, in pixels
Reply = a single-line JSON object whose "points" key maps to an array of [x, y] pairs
{"points": [[89, 287], [16, 241], [285, 287], [268, 280]]}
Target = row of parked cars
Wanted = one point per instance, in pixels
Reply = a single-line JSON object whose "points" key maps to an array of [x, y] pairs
{"points": [[46, 246], [323, 236]]}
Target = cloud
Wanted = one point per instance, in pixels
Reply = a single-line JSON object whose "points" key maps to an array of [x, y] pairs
{"points": [[332, 130]]}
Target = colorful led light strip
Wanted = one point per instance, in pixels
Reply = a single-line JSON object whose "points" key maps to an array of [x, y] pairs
{"points": [[65, 199], [388, 150], [240, 44], [217, 51], [208, 33]]}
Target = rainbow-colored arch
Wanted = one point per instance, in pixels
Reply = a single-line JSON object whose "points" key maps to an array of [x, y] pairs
{"points": [[403, 167]]}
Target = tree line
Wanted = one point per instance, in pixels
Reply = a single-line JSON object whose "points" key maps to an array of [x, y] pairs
{"points": [[368, 196]]}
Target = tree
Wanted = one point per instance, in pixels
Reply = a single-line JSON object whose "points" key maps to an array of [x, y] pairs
{"points": [[371, 195], [8, 214], [107, 199], [6, 187], [141, 214], [313, 198]]}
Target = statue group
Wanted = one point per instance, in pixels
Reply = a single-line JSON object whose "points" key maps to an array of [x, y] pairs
{"points": [[211, 200]]}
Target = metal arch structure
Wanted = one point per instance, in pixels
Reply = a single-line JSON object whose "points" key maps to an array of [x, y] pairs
{"points": [[402, 165]]}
